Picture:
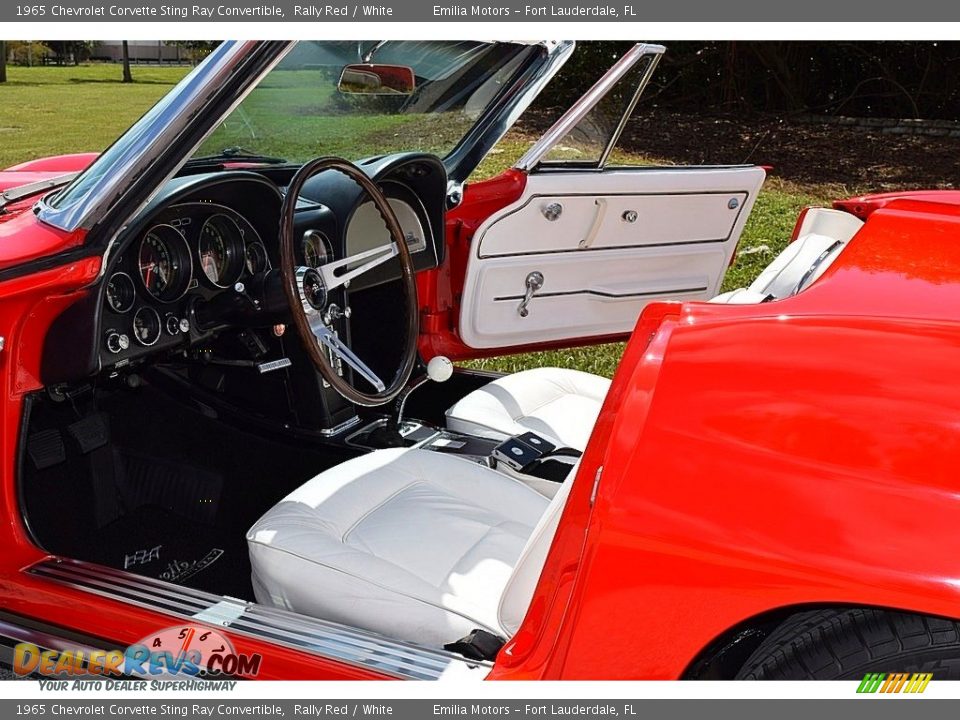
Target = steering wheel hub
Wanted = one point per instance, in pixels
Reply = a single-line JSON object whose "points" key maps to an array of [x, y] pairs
{"points": [[313, 291]]}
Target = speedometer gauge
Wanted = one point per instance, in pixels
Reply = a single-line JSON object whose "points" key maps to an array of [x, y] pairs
{"points": [[221, 249], [164, 262]]}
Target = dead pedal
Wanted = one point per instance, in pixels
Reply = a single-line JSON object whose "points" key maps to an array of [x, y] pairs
{"points": [[91, 432], [46, 449]]}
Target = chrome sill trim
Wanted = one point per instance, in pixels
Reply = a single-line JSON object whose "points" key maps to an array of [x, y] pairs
{"points": [[328, 640]]}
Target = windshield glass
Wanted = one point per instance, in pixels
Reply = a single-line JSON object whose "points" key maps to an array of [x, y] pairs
{"points": [[297, 113]]}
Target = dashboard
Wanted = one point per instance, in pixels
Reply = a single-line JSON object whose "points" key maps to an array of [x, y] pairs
{"points": [[191, 252], [195, 276]]}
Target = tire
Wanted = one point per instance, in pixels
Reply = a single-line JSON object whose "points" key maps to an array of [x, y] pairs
{"points": [[845, 644]]}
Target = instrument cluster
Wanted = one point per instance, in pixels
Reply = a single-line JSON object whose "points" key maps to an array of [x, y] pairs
{"points": [[192, 251]]}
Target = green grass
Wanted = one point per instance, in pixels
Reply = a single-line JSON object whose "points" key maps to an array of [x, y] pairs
{"points": [[53, 110], [49, 110]]}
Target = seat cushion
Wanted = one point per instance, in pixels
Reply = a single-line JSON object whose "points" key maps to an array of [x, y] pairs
{"points": [[558, 404], [412, 544]]}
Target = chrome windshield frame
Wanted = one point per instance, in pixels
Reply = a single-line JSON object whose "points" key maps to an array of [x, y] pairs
{"points": [[165, 124]]}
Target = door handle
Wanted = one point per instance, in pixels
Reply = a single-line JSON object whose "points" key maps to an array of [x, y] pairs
{"points": [[533, 283], [601, 204]]}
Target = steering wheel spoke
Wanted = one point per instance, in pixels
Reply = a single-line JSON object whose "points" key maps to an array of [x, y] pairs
{"points": [[368, 260], [329, 339]]}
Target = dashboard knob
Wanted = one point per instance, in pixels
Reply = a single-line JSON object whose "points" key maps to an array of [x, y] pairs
{"points": [[117, 342]]}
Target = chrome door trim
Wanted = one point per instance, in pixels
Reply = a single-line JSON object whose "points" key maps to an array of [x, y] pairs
{"points": [[322, 638], [589, 100]]}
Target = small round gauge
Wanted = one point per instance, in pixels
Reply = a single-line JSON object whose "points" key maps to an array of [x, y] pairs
{"points": [[146, 326], [257, 261], [221, 250], [165, 265], [120, 292], [317, 250]]}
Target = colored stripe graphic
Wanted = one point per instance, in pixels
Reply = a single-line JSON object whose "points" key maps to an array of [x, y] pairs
{"points": [[895, 683]]}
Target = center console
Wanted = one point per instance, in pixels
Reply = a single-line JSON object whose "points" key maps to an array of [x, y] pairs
{"points": [[528, 457]]}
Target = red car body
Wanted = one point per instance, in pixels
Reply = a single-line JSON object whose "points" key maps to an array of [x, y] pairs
{"points": [[749, 460]]}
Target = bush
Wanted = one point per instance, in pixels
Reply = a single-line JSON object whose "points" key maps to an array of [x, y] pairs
{"points": [[23, 52]]}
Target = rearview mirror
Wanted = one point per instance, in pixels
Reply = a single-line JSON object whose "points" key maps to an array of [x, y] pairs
{"points": [[368, 79]]}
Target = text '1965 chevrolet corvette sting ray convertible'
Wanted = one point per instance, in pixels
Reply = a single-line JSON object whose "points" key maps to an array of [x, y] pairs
{"points": [[230, 407]]}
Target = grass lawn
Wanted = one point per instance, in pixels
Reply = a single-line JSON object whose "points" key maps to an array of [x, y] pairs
{"points": [[50, 110], [55, 110]]}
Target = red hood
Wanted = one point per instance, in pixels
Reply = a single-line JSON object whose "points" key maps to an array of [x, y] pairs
{"points": [[43, 169]]}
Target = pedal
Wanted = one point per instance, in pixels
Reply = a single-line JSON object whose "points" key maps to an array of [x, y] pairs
{"points": [[91, 432], [46, 449]]}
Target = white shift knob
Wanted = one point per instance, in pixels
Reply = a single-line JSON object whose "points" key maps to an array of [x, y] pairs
{"points": [[439, 369]]}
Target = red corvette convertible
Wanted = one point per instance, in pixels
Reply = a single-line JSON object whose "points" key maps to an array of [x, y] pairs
{"points": [[229, 402]]}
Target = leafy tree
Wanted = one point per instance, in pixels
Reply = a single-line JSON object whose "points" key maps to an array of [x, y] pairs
{"points": [[3, 61], [64, 50]]}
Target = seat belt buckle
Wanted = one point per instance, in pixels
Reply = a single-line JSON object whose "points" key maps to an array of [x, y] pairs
{"points": [[516, 454]]}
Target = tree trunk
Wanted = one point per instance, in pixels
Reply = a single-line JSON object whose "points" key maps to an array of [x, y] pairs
{"points": [[3, 61], [127, 77]]}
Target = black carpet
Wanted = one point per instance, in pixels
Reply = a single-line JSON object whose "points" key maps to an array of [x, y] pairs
{"points": [[171, 495], [155, 542]]}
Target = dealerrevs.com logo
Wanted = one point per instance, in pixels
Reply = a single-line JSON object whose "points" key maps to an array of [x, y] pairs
{"points": [[895, 682], [185, 652]]}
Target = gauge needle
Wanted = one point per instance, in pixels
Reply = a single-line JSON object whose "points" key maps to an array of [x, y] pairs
{"points": [[186, 641]]}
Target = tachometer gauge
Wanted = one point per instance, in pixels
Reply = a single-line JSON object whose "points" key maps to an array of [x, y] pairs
{"points": [[146, 326], [316, 249], [221, 251], [165, 265], [257, 261], [120, 292]]}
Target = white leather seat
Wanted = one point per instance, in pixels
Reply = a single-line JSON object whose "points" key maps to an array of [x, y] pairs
{"points": [[558, 404], [412, 544], [820, 230]]}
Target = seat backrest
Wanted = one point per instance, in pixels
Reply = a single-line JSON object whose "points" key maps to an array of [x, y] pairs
{"points": [[821, 230], [526, 573]]}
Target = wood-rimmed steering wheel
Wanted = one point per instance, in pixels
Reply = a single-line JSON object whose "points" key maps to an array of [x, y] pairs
{"points": [[308, 290]]}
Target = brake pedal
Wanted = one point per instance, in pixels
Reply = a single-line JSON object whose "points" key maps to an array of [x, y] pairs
{"points": [[46, 449], [91, 432]]}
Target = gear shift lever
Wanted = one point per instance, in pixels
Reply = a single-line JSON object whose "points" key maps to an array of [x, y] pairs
{"points": [[439, 369]]}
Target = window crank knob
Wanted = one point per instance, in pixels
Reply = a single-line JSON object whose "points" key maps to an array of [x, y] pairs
{"points": [[533, 283]]}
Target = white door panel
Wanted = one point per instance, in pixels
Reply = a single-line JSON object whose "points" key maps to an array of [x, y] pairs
{"points": [[593, 293], [600, 270]]}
